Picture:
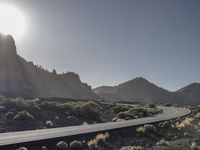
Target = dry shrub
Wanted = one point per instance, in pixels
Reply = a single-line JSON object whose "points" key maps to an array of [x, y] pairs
{"points": [[50, 105], [131, 148], [100, 139], [197, 116], [9, 115], [165, 124], [120, 108], [92, 144], [44, 148], [22, 148], [62, 145], [23, 115], [89, 110], [76, 145], [194, 146], [147, 128], [49, 124], [184, 123], [140, 130], [163, 142], [21, 104]]}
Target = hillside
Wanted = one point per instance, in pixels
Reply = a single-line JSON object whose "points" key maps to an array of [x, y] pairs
{"points": [[192, 91], [139, 89], [21, 78]]}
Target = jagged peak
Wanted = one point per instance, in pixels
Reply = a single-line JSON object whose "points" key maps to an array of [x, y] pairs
{"points": [[72, 75], [7, 45]]}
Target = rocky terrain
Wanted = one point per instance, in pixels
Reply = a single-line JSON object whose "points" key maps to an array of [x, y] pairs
{"points": [[18, 114], [177, 134], [19, 77]]}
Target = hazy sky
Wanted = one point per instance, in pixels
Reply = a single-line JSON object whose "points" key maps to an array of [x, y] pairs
{"points": [[110, 41]]}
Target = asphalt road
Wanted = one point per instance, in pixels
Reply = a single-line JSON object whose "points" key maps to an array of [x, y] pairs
{"points": [[36, 135]]}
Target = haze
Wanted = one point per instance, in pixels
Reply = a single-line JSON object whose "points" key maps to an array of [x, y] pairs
{"points": [[110, 41]]}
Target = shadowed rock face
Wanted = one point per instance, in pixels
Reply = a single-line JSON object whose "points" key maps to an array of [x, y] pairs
{"points": [[7, 46], [21, 78], [12, 79]]}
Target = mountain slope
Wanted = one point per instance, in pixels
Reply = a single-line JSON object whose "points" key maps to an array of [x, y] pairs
{"points": [[192, 91], [138, 89], [21, 78]]}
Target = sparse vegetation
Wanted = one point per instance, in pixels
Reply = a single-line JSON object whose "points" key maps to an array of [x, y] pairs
{"points": [[62, 145], [49, 124], [22, 148], [23, 115], [100, 139], [131, 148], [184, 123], [76, 145], [92, 144], [148, 128], [88, 109], [58, 113], [194, 146], [21, 104], [133, 112], [163, 142], [9, 115], [44, 148], [120, 108]]}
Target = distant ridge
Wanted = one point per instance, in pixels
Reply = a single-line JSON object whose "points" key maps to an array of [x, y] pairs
{"points": [[191, 91], [140, 89], [21, 78]]}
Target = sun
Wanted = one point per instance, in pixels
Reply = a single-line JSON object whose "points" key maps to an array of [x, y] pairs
{"points": [[12, 21]]}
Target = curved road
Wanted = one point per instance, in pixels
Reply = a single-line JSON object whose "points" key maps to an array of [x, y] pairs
{"points": [[37, 135]]}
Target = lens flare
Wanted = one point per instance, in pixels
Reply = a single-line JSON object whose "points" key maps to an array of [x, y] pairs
{"points": [[12, 21]]}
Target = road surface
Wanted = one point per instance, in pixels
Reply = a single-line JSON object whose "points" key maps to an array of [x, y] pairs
{"points": [[44, 134]]}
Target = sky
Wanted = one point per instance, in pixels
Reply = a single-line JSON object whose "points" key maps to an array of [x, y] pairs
{"points": [[108, 42]]}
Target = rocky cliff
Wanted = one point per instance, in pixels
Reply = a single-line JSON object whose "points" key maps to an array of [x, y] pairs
{"points": [[19, 77]]}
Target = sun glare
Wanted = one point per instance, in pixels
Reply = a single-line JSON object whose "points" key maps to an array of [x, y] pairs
{"points": [[12, 21]]}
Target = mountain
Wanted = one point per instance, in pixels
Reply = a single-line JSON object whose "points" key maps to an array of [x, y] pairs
{"points": [[191, 91], [139, 89], [19, 77]]}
